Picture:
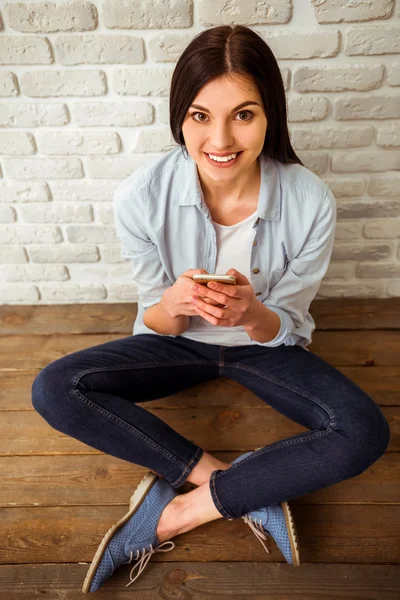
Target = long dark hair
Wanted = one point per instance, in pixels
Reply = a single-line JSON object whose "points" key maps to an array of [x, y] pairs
{"points": [[230, 49]]}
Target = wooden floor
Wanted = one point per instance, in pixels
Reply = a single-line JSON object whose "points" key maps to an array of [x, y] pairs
{"points": [[59, 497]]}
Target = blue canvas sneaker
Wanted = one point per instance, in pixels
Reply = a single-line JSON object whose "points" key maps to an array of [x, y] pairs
{"points": [[134, 536], [277, 521]]}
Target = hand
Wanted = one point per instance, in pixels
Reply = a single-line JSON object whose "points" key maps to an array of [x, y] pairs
{"points": [[177, 298], [240, 300]]}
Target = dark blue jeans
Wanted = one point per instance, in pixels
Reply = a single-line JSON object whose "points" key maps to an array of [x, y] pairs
{"points": [[91, 396]]}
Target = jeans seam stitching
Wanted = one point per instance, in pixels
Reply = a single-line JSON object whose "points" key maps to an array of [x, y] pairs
{"points": [[332, 417], [124, 425]]}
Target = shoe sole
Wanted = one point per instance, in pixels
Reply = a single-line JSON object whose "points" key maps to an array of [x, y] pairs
{"points": [[293, 535], [136, 500]]}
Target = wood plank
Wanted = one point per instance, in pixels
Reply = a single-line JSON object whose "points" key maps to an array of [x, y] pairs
{"points": [[208, 581], [380, 383], [27, 433], [106, 480], [339, 533], [330, 313], [341, 348]]}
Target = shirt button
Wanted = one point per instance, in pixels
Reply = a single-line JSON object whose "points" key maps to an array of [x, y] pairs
{"points": [[254, 243], [258, 220], [258, 294], [256, 271]]}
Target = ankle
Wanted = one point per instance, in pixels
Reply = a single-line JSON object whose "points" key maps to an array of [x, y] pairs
{"points": [[201, 473], [168, 524]]}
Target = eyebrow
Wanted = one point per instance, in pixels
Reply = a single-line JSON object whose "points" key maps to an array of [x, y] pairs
{"points": [[246, 103]]}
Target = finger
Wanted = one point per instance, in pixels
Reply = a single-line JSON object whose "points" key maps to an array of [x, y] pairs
{"points": [[204, 292], [233, 291], [210, 309], [205, 315]]}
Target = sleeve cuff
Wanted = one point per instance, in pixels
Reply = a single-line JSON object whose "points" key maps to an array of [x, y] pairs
{"points": [[286, 329]]}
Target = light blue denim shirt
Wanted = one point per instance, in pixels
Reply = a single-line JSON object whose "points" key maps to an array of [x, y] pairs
{"points": [[165, 228]]}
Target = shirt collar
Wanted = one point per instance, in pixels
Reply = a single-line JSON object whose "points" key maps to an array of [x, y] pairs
{"points": [[189, 190]]}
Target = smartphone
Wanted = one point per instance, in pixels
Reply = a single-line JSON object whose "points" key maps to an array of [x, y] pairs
{"points": [[202, 278]]}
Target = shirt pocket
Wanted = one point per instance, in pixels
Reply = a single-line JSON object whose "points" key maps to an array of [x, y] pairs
{"points": [[275, 276]]}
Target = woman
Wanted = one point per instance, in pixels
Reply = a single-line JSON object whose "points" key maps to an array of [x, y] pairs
{"points": [[238, 201]]}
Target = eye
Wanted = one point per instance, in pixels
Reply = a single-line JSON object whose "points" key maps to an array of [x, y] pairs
{"points": [[249, 112]]}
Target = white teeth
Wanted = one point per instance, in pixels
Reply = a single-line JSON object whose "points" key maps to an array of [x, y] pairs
{"points": [[222, 158]]}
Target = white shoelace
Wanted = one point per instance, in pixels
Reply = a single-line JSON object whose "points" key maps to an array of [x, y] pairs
{"points": [[145, 557], [258, 530]]}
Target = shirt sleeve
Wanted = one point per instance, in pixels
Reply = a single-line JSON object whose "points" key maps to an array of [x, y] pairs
{"points": [[132, 228], [291, 296]]}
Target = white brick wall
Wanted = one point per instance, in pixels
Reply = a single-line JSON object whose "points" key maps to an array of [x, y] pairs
{"points": [[84, 92]]}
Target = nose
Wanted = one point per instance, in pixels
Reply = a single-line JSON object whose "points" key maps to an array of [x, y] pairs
{"points": [[221, 137]]}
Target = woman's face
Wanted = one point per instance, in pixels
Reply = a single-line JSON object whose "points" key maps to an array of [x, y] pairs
{"points": [[216, 125]]}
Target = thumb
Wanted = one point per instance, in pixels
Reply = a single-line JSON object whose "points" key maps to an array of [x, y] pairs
{"points": [[240, 278]]}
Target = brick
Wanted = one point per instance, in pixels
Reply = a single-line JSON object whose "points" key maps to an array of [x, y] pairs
{"points": [[218, 12], [122, 292], [83, 190], [68, 253], [368, 107], [343, 11], [393, 289], [346, 186], [112, 114], [300, 45], [155, 139], [362, 251], [147, 14], [33, 273], [384, 186], [338, 79], [382, 229], [67, 143], [368, 208], [54, 168], [56, 213], [24, 191], [351, 289], [99, 49], [7, 214], [100, 273], [378, 270], [348, 230], [120, 168], [17, 142], [366, 161], [111, 253], [369, 41], [72, 292], [104, 213], [25, 114], [30, 234], [341, 270], [50, 17], [142, 82], [332, 136], [167, 47], [8, 84], [79, 82], [23, 50], [388, 135], [81, 234], [307, 109], [18, 293], [393, 74], [12, 254]]}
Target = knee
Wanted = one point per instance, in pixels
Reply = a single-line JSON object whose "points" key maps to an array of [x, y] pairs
{"points": [[369, 436], [47, 391]]}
